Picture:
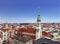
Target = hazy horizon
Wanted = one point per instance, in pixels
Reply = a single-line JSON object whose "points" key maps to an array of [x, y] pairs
{"points": [[26, 11]]}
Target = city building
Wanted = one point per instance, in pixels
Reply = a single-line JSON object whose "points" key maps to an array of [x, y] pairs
{"points": [[29, 33]]}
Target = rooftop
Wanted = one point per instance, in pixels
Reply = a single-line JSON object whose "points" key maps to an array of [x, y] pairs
{"points": [[45, 41], [23, 38]]}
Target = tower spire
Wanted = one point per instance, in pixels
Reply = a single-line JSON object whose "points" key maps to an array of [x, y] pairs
{"points": [[38, 17], [38, 28], [6, 24]]}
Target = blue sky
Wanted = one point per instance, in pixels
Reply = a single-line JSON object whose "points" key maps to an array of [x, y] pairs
{"points": [[27, 10]]}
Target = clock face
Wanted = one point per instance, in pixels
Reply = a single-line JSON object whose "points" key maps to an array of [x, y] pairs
{"points": [[37, 30]]}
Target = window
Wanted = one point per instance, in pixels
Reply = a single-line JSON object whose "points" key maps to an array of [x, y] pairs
{"points": [[37, 30]]}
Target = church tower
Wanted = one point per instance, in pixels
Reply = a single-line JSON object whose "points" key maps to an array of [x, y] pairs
{"points": [[5, 33], [38, 27]]}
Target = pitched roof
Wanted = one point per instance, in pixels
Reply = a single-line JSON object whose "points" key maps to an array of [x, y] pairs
{"points": [[45, 41]]}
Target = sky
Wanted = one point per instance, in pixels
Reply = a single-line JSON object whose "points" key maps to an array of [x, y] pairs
{"points": [[26, 11]]}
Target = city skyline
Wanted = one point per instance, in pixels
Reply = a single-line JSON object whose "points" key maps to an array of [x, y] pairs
{"points": [[26, 11]]}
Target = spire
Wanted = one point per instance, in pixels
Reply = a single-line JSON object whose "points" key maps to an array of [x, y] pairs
{"points": [[39, 12], [6, 24], [38, 27], [38, 17]]}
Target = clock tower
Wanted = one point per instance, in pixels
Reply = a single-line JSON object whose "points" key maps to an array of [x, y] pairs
{"points": [[38, 27]]}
